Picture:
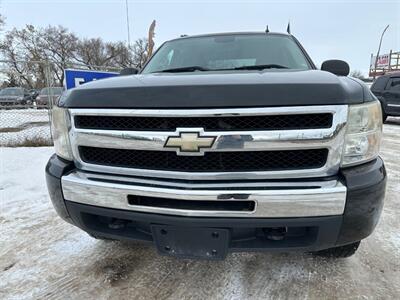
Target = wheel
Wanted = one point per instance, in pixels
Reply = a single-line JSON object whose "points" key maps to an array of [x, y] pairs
{"points": [[339, 252]]}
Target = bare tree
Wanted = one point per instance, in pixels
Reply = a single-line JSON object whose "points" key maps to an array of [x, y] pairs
{"points": [[139, 50], [124, 57], [59, 45], [91, 52], [357, 74], [53, 47], [57, 49], [95, 52], [2, 22], [19, 46]]}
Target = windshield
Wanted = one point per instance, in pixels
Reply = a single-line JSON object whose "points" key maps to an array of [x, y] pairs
{"points": [[228, 52], [12, 92], [54, 91]]}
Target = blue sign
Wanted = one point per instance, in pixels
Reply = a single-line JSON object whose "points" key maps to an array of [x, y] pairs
{"points": [[73, 78]]}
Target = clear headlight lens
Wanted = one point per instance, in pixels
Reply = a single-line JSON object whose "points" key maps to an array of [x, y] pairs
{"points": [[363, 134], [60, 124]]}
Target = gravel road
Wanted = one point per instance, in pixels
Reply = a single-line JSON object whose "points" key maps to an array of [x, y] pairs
{"points": [[43, 257]]}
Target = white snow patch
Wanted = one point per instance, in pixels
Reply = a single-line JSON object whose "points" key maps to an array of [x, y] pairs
{"points": [[73, 245]]}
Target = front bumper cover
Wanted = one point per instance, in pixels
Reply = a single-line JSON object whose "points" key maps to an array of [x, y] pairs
{"points": [[365, 187]]}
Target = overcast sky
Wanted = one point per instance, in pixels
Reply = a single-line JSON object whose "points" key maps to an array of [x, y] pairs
{"points": [[348, 30]]}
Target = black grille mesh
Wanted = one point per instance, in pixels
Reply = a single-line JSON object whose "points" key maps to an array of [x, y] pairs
{"points": [[274, 122], [210, 162]]}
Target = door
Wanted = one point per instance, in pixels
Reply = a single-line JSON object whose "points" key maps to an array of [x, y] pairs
{"points": [[392, 95]]}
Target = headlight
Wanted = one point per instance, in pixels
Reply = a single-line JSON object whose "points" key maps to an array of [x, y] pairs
{"points": [[363, 133], [20, 98], [60, 124]]}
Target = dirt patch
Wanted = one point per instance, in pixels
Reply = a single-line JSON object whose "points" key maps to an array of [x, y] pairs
{"points": [[115, 270], [9, 267], [31, 142], [23, 126]]}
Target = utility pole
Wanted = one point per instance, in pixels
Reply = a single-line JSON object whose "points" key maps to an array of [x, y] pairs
{"points": [[379, 49], [127, 24]]}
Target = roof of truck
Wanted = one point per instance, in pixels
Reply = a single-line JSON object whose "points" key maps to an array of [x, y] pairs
{"points": [[230, 33]]}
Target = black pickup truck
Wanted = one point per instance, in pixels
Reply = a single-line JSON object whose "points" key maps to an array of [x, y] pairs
{"points": [[387, 89], [223, 142]]}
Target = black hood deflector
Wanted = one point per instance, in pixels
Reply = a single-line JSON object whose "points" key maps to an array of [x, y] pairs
{"points": [[216, 90]]}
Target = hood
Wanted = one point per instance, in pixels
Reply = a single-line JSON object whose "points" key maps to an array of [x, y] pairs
{"points": [[216, 89]]}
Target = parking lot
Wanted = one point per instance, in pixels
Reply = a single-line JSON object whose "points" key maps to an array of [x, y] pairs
{"points": [[41, 256]]}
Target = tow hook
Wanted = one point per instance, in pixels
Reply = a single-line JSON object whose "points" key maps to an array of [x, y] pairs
{"points": [[117, 224], [275, 233]]}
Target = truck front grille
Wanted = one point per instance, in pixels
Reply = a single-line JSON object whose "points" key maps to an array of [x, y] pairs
{"points": [[269, 122], [210, 162], [248, 143]]}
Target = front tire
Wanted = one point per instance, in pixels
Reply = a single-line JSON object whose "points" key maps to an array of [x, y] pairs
{"points": [[338, 252]]}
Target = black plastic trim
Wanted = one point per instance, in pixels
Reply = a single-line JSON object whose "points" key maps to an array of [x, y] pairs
{"points": [[366, 187], [55, 169], [327, 228]]}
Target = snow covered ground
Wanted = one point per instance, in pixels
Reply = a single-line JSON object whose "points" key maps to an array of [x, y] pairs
{"points": [[19, 125], [12, 118], [43, 257]]}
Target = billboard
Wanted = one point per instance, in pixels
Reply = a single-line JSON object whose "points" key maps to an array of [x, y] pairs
{"points": [[74, 77], [382, 63]]}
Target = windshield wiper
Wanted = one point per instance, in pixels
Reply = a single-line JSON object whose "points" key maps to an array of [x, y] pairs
{"points": [[260, 67], [199, 68], [184, 69]]}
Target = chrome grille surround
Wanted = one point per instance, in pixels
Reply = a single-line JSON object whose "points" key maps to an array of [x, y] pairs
{"points": [[330, 138]]}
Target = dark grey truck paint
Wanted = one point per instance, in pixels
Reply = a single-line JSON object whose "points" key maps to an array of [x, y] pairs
{"points": [[228, 89]]}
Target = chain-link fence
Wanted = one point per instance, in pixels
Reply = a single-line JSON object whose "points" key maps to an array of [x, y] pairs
{"points": [[28, 90], [25, 126]]}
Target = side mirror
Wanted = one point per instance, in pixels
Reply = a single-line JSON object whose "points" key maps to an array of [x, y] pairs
{"points": [[337, 67], [128, 71]]}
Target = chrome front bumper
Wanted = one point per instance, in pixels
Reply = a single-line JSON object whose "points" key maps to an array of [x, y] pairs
{"points": [[272, 200]]}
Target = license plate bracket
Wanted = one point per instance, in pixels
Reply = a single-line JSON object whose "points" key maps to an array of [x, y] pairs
{"points": [[191, 242]]}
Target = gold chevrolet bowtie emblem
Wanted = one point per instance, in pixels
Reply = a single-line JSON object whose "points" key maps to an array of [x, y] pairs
{"points": [[189, 142]]}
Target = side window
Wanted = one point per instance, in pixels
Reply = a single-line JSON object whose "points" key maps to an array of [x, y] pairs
{"points": [[379, 84], [394, 84]]}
